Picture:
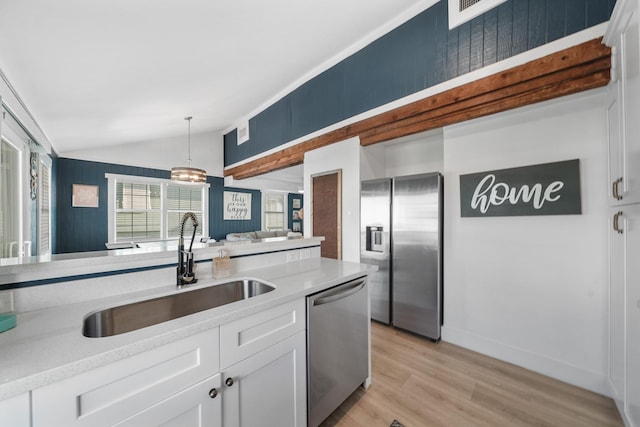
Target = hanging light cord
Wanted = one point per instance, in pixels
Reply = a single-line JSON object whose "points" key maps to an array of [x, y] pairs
{"points": [[188, 119]]}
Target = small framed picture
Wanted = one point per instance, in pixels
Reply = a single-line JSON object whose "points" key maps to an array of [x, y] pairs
{"points": [[296, 227], [296, 215], [84, 196], [296, 203]]}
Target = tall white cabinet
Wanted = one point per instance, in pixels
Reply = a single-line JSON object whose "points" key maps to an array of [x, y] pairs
{"points": [[623, 114]]}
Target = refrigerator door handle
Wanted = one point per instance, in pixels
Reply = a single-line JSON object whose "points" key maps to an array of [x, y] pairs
{"points": [[341, 293]]}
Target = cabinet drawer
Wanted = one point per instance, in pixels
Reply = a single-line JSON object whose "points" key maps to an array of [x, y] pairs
{"points": [[249, 335], [112, 393], [15, 412]]}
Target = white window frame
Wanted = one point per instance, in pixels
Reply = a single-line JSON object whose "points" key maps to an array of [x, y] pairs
{"points": [[164, 183], [24, 228], [265, 195], [13, 132]]}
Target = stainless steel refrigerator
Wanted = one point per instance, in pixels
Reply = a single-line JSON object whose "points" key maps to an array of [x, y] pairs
{"points": [[401, 233]]}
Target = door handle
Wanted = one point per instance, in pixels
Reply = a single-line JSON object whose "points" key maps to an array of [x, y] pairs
{"points": [[616, 222], [615, 189], [354, 287]]}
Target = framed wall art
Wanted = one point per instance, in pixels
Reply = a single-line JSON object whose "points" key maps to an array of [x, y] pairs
{"points": [[84, 196]]}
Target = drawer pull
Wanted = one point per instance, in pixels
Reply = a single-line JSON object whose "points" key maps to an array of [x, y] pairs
{"points": [[229, 382], [213, 393], [616, 189], [616, 222]]}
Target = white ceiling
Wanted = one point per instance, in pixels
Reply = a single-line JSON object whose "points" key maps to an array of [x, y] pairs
{"points": [[98, 73]]}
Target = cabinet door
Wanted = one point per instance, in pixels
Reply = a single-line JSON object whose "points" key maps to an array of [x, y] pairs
{"points": [[617, 331], [110, 394], [623, 106], [632, 279], [15, 412], [250, 335], [630, 77], [614, 141], [269, 388], [197, 406]]}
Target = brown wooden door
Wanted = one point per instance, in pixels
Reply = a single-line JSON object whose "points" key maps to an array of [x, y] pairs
{"points": [[327, 213]]}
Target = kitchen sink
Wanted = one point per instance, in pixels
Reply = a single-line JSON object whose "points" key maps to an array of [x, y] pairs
{"points": [[137, 315]]}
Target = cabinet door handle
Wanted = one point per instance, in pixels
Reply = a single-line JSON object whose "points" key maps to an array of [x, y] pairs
{"points": [[229, 381], [213, 393], [616, 222], [616, 189]]}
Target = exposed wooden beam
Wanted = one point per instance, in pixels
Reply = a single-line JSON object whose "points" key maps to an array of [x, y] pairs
{"points": [[582, 67]]}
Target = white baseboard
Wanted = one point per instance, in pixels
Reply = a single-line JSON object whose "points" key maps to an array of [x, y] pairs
{"points": [[557, 369]]}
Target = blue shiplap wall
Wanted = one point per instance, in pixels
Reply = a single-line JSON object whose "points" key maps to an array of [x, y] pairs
{"points": [[290, 198], [86, 229], [218, 227], [419, 54]]}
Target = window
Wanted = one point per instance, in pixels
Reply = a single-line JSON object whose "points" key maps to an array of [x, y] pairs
{"points": [[138, 211], [146, 209], [25, 212], [44, 206], [180, 200], [10, 200], [274, 211]]}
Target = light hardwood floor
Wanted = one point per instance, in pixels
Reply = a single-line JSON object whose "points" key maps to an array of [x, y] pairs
{"points": [[419, 383]]}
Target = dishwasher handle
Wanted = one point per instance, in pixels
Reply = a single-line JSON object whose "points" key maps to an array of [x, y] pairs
{"points": [[343, 291]]}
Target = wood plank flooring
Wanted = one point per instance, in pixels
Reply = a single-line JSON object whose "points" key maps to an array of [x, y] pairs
{"points": [[419, 383]]}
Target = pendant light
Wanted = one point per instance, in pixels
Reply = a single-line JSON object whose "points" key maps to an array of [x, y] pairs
{"points": [[188, 173]]}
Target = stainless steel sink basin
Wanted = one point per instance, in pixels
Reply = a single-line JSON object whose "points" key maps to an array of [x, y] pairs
{"points": [[129, 317]]}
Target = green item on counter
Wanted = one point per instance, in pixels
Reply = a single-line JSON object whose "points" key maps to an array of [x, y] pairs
{"points": [[7, 321]]}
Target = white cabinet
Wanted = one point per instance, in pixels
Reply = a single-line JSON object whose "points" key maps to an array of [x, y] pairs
{"points": [[197, 406], [111, 394], [632, 310], [623, 114], [269, 388], [261, 380], [623, 108], [616, 306], [15, 412], [249, 335], [624, 309], [617, 318], [263, 360]]}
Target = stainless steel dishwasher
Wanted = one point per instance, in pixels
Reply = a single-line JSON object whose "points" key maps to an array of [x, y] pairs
{"points": [[337, 346]]}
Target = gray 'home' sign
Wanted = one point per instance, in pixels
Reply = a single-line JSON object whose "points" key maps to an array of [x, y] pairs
{"points": [[547, 189]]}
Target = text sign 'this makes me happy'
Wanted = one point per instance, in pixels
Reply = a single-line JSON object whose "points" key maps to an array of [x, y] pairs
{"points": [[547, 189]]}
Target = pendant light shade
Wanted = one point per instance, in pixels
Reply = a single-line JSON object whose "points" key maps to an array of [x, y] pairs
{"points": [[188, 173]]}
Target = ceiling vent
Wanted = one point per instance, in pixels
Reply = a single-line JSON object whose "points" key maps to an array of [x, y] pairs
{"points": [[461, 11], [243, 132], [465, 4]]}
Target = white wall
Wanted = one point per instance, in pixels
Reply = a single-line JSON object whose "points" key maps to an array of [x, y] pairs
{"points": [[344, 155], [410, 155], [207, 152], [373, 164], [531, 290], [416, 154]]}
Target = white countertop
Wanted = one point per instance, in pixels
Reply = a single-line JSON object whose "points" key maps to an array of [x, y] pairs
{"points": [[26, 269], [47, 345]]}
